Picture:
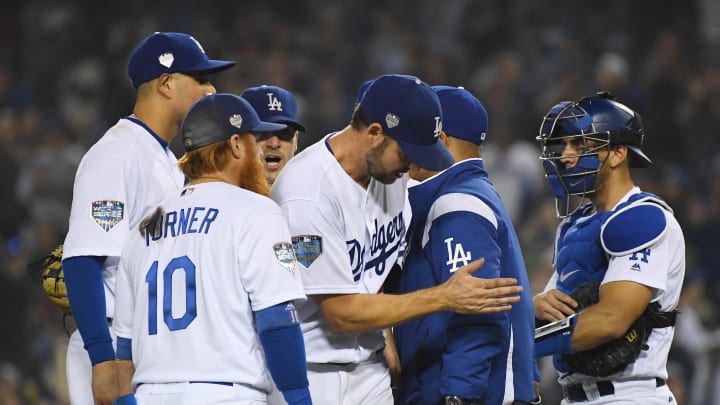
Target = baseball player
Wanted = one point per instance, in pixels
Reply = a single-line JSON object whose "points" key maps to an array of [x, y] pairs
{"points": [[119, 180], [343, 197], [457, 216], [209, 280], [275, 104], [626, 241]]}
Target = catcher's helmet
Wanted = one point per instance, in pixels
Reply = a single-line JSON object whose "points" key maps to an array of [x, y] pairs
{"points": [[593, 123]]}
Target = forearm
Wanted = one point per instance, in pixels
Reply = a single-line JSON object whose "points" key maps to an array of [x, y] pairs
{"points": [[596, 326], [87, 302], [362, 312]]}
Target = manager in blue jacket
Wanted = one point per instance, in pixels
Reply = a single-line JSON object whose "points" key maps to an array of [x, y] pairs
{"points": [[457, 217]]}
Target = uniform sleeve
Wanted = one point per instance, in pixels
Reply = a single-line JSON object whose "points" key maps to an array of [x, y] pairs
{"points": [[99, 214], [474, 342], [269, 273], [319, 241]]}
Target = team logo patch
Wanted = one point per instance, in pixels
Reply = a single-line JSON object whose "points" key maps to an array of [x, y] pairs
{"points": [[307, 248], [392, 120], [236, 120], [166, 59], [108, 213], [285, 255]]}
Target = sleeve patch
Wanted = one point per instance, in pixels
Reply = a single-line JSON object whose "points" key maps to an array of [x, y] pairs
{"points": [[307, 248], [285, 255], [108, 213], [633, 229]]}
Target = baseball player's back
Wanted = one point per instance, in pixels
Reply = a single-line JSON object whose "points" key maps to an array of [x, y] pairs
{"points": [[195, 293]]}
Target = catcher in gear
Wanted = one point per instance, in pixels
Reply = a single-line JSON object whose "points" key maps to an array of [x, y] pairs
{"points": [[619, 259], [53, 279]]}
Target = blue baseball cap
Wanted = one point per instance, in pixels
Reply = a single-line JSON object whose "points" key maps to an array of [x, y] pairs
{"points": [[274, 104], [464, 116], [363, 88], [170, 52], [409, 112], [217, 117]]}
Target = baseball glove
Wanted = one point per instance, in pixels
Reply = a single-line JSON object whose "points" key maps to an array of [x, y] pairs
{"points": [[615, 355], [53, 279]]}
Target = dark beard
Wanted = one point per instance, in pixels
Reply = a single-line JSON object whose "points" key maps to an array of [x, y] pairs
{"points": [[375, 170]]}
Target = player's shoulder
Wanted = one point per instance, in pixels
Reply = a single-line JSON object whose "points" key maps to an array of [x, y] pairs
{"points": [[306, 174], [639, 223], [119, 141]]}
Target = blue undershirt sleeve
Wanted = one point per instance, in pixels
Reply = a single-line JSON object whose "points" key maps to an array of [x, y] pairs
{"points": [[83, 278], [282, 341]]}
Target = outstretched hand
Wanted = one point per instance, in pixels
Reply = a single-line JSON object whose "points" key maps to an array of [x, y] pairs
{"points": [[553, 305], [466, 294]]}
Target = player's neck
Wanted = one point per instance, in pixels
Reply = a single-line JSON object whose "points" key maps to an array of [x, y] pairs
{"points": [[211, 178], [350, 154], [157, 120]]}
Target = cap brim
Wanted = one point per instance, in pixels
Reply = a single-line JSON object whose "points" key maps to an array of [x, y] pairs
{"points": [[433, 157], [639, 159], [268, 127], [291, 123], [211, 66]]}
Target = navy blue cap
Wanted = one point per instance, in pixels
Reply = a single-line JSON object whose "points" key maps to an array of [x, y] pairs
{"points": [[170, 52], [464, 116], [409, 112], [217, 117], [363, 88], [274, 104]]}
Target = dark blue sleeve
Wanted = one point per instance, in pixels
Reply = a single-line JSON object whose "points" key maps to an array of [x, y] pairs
{"points": [[83, 278], [282, 341], [475, 343]]}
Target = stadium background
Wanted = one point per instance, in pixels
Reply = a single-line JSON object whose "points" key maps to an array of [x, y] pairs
{"points": [[63, 82]]}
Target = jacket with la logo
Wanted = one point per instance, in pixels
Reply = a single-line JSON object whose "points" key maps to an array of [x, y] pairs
{"points": [[458, 217]]}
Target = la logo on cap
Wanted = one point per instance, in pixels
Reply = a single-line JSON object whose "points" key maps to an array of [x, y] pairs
{"points": [[438, 127], [198, 44], [273, 103]]}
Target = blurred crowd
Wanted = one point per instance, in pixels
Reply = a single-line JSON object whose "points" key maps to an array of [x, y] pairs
{"points": [[63, 81]]}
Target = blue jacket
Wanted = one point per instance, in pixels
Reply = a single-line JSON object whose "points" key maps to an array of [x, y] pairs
{"points": [[458, 217]]}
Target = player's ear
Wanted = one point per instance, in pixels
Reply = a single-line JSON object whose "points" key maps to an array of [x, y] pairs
{"points": [[375, 133], [446, 140], [236, 147], [163, 84], [618, 154]]}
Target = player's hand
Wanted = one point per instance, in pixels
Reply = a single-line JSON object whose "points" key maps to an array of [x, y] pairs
{"points": [[466, 294], [105, 382], [391, 356], [553, 305]]}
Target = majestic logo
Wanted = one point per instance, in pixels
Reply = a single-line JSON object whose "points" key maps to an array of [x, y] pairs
{"points": [[635, 267], [166, 59], [565, 276], [307, 248], [392, 120], [273, 103], [107, 213], [285, 255], [236, 121], [438, 127], [457, 255]]}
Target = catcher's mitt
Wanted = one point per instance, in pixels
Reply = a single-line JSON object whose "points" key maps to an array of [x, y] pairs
{"points": [[615, 355], [53, 279]]}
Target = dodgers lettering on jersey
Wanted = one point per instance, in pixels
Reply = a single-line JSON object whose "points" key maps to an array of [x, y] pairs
{"points": [[181, 222], [384, 242]]}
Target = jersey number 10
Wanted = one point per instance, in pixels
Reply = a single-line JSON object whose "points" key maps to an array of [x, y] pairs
{"points": [[178, 263]]}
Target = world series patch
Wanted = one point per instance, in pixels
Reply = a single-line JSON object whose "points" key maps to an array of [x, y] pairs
{"points": [[285, 255], [108, 213], [307, 248]]}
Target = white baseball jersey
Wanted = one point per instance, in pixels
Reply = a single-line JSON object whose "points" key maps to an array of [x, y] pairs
{"points": [[119, 180], [663, 271], [186, 292], [346, 239]]}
